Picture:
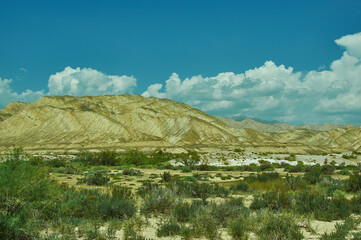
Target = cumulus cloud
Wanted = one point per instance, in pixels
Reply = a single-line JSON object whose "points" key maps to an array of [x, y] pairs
{"points": [[87, 81], [278, 92], [8, 95], [75, 82], [270, 91], [352, 43]]}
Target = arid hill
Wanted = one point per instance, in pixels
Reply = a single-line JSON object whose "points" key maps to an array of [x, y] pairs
{"points": [[130, 121], [278, 127]]}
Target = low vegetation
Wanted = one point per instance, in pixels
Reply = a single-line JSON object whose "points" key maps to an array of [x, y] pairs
{"points": [[99, 194]]}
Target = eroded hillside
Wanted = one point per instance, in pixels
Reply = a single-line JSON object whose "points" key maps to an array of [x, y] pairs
{"points": [[131, 121]]}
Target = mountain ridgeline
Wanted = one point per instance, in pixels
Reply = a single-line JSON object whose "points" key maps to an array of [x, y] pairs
{"points": [[131, 121]]}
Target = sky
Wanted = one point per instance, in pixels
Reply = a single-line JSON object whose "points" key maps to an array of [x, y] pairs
{"points": [[291, 61]]}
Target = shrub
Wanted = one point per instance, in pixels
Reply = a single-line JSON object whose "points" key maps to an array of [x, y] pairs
{"points": [[263, 177], [186, 169], [205, 225], [327, 169], [190, 179], [354, 182], [349, 156], [168, 228], [312, 177], [147, 188], [344, 172], [166, 177], [161, 200], [266, 166], [134, 157], [222, 212], [183, 211], [294, 183], [323, 208], [95, 178], [294, 169], [277, 200], [275, 226], [342, 229], [240, 186], [131, 172], [121, 192], [238, 229], [188, 159], [258, 203]]}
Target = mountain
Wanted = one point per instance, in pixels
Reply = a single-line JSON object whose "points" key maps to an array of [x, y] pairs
{"points": [[241, 118], [12, 109], [278, 127], [132, 121], [105, 121]]}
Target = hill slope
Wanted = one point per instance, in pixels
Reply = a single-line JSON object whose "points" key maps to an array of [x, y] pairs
{"points": [[277, 127], [129, 121]]}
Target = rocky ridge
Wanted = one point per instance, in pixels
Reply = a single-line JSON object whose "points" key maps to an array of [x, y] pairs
{"points": [[132, 121]]}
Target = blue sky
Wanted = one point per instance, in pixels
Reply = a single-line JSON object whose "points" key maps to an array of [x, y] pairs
{"points": [[134, 46]]}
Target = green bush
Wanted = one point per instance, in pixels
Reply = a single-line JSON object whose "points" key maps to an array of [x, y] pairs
{"points": [[189, 159], [186, 169], [344, 171], [354, 182], [276, 226], [277, 200], [105, 158], [263, 177], [238, 229], [351, 156], [168, 228], [342, 230], [161, 200], [321, 206], [166, 177], [95, 178], [121, 192], [132, 172], [312, 177], [223, 212], [258, 203], [184, 211], [135, 157], [147, 188], [294, 183], [240, 186]]}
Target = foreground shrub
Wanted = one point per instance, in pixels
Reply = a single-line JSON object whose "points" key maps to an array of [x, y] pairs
{"points": [[354, 182], [161, 200], [321, 206], [22, 187], [98, 177], [240, 186], [223, 212], [184, 211], [312, 177], [204, 224], [342, 230], [168, 228], [131, 172], [121, 192], [238, 228], [276, 226]]}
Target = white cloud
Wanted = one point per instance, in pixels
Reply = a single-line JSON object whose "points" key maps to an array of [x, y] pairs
{"points": [[76, 82], [278, 92], [87, 81], [8, 95], [23, 69], [270, 91], [352, 43]]}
